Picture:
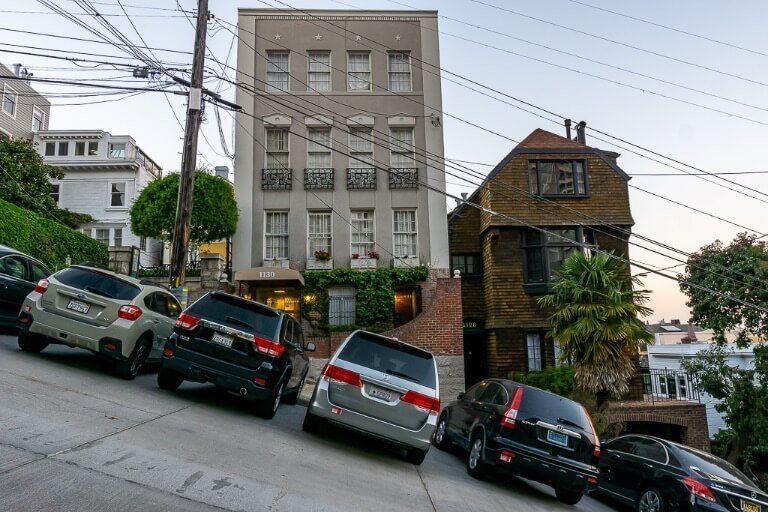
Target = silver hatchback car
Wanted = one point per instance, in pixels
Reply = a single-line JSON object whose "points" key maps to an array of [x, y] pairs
{"points": [[382, 387]]}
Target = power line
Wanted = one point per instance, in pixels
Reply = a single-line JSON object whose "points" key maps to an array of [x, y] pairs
{"points": [[98, 86]]}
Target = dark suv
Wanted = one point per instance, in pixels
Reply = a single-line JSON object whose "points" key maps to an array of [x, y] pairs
{"points": [[524, 430], [241, 346]]}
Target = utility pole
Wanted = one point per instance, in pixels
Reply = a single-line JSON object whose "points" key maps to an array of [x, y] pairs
{"points": [[189, 153]]}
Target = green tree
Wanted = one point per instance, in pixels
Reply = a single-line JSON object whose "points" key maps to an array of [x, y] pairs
{"points": [[214, 214], [24, 181], [595, 319]]}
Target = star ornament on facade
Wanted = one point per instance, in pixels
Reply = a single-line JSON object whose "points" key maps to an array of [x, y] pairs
{"points": [[277, 37], [318, 37], [397, 37], [358, 37]]}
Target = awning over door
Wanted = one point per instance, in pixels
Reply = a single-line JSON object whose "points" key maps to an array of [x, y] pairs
{"points": [[268, 274]]}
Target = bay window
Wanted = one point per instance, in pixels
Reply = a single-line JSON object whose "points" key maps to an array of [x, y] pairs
{"points": [[546, 251]]}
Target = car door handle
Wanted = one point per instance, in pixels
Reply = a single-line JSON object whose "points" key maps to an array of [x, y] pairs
{"points": [[616, 456]]}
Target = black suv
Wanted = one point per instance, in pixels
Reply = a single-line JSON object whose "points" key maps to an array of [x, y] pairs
{"points": [[524, 430], [241, 346]]}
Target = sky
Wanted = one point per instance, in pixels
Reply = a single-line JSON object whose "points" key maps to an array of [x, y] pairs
{"points": [[712, 141]]}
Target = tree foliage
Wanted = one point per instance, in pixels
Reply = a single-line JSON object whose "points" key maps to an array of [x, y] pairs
{"points": [[737, 271], [595, 319], [24, 181], [214, 213]]}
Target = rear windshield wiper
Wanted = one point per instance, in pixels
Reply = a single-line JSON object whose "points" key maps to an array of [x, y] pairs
{"points": [[569, 422], [98, 292], [234, 320], [403, 375]]}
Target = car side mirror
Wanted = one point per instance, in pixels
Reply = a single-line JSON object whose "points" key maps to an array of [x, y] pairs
{"points": [[310, 347], [461, 396]]}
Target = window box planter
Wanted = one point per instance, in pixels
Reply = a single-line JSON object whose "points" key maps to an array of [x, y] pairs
{"points": [[411, 261], [277, 263], [314, 264], [363, 263]]}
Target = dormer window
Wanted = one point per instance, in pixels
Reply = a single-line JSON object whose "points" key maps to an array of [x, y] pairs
{"points": [[557, 177]]}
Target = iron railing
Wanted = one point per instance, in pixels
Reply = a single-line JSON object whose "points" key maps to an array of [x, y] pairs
{"points": [[276, 179], [315, 179], [663, 385], [404, 178], [361, 178], [341, 310], [164, 270]]}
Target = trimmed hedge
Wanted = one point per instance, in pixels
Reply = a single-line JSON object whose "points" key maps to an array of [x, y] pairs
{"points": [[46, 240]]}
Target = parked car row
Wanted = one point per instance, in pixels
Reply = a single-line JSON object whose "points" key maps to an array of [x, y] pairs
{"points": [[372, 384]]}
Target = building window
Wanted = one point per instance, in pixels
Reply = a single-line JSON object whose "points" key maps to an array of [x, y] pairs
{"points": [[319, 232], [63, 148], [102, 235], [557, 177], [277, 149], [50, 149], [319, 66], [276, 236], [467, 264], [404, 231], [341, 305], [533, 349], [10, 100], [401, 148], [38, 119], [363, 240], [360, 148], [118, 237], [319, 148], [399, 66], [117, 194], [93, 148], [546, 252], [79, 148], [277, 71], [56, 192], [359, 71], [117, 150]]}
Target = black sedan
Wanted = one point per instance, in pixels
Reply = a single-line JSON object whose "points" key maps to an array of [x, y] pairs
{"points": [[655, 475], [525, 431], [18, 275]]}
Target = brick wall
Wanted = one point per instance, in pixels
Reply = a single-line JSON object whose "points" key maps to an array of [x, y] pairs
{"points": [[690, 416]]}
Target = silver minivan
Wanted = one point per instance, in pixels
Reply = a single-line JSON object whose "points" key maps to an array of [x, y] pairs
{"points": [[382, 387]]}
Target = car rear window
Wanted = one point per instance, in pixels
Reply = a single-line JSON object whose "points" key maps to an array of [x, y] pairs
{"points": [[553, 408], [237, 313], [390, 357], [709, 466], [98, 282]]}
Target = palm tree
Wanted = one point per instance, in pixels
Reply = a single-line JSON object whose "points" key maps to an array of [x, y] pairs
{"points": [[595, 320]]}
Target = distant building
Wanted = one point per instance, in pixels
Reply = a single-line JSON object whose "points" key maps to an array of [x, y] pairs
{"points": [[23, 110], [103, 175]]}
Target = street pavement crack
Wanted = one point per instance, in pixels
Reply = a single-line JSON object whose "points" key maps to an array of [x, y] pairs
{"points": [[424, 485]]}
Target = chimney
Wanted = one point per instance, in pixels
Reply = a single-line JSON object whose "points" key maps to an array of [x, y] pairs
{"points": [[568, 128], [17, 70], [581, 136], [222, 171], [675, 321]]}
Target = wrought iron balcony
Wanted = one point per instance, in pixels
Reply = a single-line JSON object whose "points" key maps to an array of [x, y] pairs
{"points": [[318, 179], [361, 178], [404, 178], [276, 179]]}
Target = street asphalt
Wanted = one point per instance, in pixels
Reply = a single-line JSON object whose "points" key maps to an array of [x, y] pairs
{"points": [[75, 438]]}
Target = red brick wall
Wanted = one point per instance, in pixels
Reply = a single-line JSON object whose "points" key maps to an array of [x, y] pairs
{"points": [[692, 417]]}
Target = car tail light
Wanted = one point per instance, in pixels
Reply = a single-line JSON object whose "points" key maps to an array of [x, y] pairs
{"points": [[168, 352], [331, 372], [110, 346], [420, 400], [510, 415], [186, 321], [260, 381], [129, 312], [268, 347], [699, 490], [591, 480], [596, 450], [41, 286]]}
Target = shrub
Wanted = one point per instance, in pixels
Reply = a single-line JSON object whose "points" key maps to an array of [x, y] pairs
{"points": [[557, 379], [49, 241]]}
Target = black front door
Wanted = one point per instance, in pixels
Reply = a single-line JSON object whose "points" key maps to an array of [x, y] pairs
{"points": [[475, 360]]}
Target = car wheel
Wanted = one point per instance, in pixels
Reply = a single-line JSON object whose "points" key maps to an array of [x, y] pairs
{"points": [[440, 437], [311, 423], [293, 397], [475, 465], [31, 342], [131, 367], [169, 379], [651, 500], [568, 496], [268, 407], [415, 456]]}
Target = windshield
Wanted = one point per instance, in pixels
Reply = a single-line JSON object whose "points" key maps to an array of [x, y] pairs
{"points": [[98, 283], [237, 313], [390, 357]]}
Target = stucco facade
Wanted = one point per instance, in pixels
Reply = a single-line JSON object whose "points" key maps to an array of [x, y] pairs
{"points": [[23, 110]]}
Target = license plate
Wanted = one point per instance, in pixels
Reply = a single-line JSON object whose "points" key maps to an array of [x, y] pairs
{"points": [[222, 340], [557, 438], [79, 306], [748, 506], [381, 394]]}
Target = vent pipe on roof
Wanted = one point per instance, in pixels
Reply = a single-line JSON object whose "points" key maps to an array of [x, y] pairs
{"points": [[568, 128], [464, 196], [581, 136]]}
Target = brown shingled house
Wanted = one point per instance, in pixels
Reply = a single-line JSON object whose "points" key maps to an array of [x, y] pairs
{"points": [[548, 181]]}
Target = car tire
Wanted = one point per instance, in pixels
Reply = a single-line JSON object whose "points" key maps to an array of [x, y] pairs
{"points": [[440, 437], [293, 397], [568, 496], [130, 368], [415, 456], [651, 500], [168, 379], [31, 342], [268, 407], [311, 423], [476, 468]]}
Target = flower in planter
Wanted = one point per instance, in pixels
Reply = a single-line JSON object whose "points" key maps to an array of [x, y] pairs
{"points": [[321, 255], [373, 255], [355, 255]]}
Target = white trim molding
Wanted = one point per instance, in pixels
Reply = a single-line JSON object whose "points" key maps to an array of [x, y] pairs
{"points": [[277, 120], [401, 120], [361, 120]]}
